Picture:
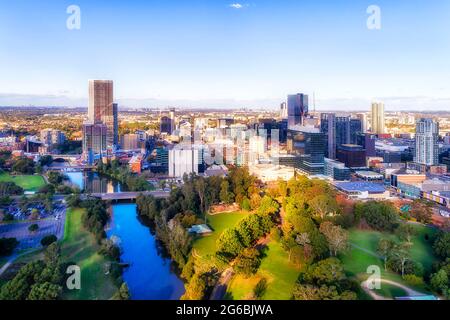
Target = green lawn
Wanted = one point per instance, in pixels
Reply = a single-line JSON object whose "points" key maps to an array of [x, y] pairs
{"points": [[207, 245], [279, 272], [356, 261], [80, 247], [28, 183]]}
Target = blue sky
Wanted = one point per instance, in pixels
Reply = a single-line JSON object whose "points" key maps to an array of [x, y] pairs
{"points": [[208, 52]]}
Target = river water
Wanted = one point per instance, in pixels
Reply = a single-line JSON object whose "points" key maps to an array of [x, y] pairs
{"points": [[150, 275]]}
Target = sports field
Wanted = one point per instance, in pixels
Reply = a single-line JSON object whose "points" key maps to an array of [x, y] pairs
{"points": [[26, 182]]}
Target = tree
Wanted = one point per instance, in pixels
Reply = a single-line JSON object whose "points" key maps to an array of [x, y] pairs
{"points": [[45, 291], [7, 246], [33, 228], [24, 166], [440, 281], [123, 293], [229, 243], [422, 211], [323, 205], [401, 253], [384, 248], [10, 189], [195, 289], [48, 240], [336, 236], [248, 261], [260, 288], [406, 231], [442, 245], [380, 216], [226, 196]]}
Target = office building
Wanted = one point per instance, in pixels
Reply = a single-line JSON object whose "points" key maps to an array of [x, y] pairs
{"points": [[187, 161], [363, 118], [336, 170], [297, 105], [52, 137], [102, 109], [94, 138], [378, 120], [308, 145], [328, 127], [353, 156], [427, 147], [130, 142], [166, 125]]}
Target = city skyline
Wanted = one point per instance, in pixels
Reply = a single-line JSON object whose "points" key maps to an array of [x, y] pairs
{"points": [[224, 55]]}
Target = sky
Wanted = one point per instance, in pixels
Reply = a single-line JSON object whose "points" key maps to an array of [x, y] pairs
{"points": [[218, 53]]}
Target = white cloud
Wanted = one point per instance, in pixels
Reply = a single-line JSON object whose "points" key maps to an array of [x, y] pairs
{"points": [[238, 5]]}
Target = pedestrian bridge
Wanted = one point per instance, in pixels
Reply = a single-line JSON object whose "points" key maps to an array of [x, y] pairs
{"points": [[129, 195]]}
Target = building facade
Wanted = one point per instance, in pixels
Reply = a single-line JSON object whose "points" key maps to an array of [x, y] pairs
{"points": [[378, 120], [427, 147], [102, 108], [297, 105]]}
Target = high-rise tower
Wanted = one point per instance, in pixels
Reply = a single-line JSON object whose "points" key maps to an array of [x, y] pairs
{"points": [[378, 118], [427, 137], [102, 108]]}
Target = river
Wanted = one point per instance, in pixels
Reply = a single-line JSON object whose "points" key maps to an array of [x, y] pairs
{"points": [[149, 275]]}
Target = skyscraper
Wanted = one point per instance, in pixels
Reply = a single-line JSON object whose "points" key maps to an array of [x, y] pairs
{"points": [[94, 139], [363, 118], [328, 127], [427, 147], [102, 108], [283, 110], [297, 105], [339, 131], [378, 117]]}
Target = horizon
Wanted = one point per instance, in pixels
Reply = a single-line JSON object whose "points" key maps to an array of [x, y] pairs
{"points": [[226, 54]]}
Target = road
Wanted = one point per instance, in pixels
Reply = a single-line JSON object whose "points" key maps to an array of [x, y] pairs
{"points": [[221, 287]]}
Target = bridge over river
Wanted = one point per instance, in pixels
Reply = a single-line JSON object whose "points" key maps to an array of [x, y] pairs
{"points": [[129, 195]]}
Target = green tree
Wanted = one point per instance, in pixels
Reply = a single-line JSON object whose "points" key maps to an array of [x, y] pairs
{"points": [[406, 231], [33, 228], [440, 282], [123, 293], [7, 246], [226, 196], [384, 248], [248, 261], [336, 236], [441, 245], [44, 291]]}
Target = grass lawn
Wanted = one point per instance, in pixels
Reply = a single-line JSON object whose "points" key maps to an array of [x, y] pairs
{"points": [[80, 247], [28, 183], [281, 276], [207, 245], [356, 261]]}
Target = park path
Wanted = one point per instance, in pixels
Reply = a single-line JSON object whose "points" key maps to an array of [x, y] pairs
{"points": [[13, 258], [366, 251], [221, 287], [410, 292]]}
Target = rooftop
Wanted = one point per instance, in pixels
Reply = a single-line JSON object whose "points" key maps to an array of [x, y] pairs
{"points": [[361, 187]]}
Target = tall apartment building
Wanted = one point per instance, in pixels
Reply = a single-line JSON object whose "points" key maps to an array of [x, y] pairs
{"points": [[378, 119], [52, 136], [328, 127], [427, 147], [297, 105], [102, 108], [94, 139]]}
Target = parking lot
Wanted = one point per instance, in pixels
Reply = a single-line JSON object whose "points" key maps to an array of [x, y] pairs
{"points": [[53, 225]]}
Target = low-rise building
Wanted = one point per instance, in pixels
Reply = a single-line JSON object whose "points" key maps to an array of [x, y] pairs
{"points": [[363, 190]]}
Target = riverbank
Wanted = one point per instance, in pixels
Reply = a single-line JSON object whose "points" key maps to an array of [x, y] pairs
{"points": [[80, 247]]}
